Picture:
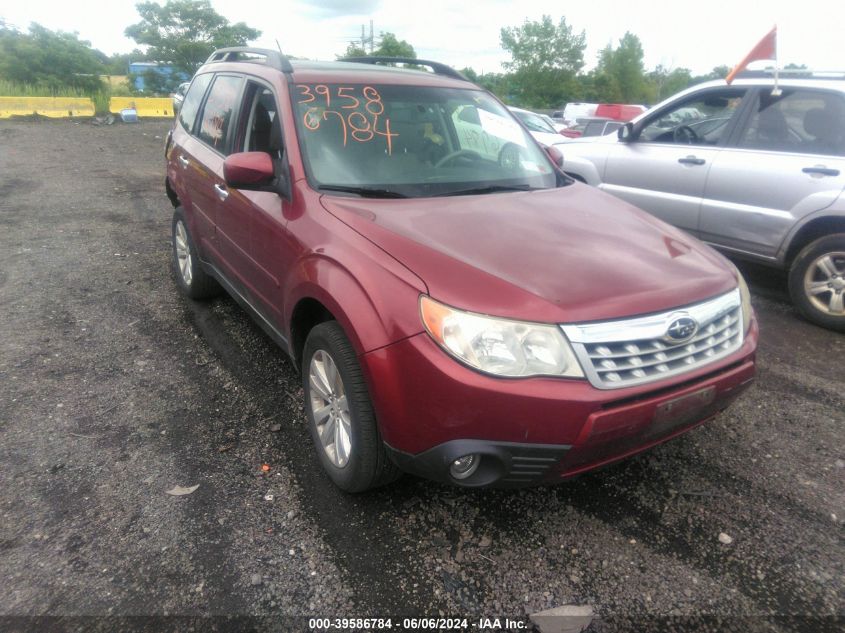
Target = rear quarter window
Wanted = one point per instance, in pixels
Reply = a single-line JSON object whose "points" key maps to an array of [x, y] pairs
{"points": [[216, 124], [193, 101]]}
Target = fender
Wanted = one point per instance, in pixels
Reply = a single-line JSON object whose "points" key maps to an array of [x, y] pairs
{"points": [[837, 213], [358, 301], [582, 167]]}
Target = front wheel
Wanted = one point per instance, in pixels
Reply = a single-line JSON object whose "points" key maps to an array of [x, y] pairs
{"points": [[817, 282], [340, 413]]}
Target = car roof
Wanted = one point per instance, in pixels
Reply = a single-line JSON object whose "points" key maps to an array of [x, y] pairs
{"points": [[308, 71], [787, 81]]}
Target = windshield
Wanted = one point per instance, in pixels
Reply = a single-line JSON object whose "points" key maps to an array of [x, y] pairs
{"points": [[534, 122], [412, 141]]}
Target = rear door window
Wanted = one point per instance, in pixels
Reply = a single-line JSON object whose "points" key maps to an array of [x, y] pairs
{"points": [[193, 101], [799, 121], [216, 123]]}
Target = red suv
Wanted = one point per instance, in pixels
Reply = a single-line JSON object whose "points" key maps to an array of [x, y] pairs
{"points": [[458, 307]]}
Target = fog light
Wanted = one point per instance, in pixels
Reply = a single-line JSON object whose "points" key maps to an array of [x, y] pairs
{"points": [[464, 466]]}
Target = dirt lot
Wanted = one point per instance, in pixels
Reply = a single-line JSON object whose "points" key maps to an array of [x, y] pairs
{"points": [[114, 389]]}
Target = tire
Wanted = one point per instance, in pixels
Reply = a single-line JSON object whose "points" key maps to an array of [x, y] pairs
{"points": [[192, 280], [820, 266], [353, 456]]}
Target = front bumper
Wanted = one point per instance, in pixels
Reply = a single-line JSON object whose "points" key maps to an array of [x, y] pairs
{"points": [[432, 410]]}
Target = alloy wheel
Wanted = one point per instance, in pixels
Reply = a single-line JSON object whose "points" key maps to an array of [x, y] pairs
{"points": [[330, 408], [824, 283], [183, 253]]}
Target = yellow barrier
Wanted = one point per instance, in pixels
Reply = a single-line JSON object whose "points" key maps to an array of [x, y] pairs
{"points": [[53, 107], [144, 106]]}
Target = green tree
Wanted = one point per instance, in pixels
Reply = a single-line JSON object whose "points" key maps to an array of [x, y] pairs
{"points": [[185, 32], [545, 58], [665, 82], [391, 46], [118, 63], [624, 71], [354, 50], [52, 60], [719, 72], [470, 74]]}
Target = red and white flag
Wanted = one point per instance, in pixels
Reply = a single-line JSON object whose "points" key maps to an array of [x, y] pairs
{"points": [[766, 49]]}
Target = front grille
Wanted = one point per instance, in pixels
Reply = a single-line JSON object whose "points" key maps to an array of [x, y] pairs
{"points": [[629, 352]]}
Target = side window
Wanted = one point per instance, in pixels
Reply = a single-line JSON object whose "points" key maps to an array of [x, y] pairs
{"points": [[803, 121], [700, 120], [216, 120], [261, 129], [193, 100], [594, 128]]}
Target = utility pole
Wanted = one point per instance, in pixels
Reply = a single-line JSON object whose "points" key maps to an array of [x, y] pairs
{"points": [[371, 37], [363, 39]]}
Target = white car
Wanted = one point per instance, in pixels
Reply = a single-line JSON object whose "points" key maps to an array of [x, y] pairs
{"points": [[542, 131]]}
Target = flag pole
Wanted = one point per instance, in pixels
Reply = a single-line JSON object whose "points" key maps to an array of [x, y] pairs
{"points": [[776, 92]]}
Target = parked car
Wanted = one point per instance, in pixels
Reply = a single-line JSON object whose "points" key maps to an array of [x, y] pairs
{"points": [[755, 172], [540, 129], [475, 320], [574, 111], [619, 111], [555, 125], [592, 126]]}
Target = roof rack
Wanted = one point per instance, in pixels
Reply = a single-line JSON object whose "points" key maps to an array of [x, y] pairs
{"points": [[437, 67], [272, 58], [793, 73]]}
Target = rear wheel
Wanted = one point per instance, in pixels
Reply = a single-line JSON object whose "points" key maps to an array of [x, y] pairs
{"points": [[817, 281], [190, 276], [340, 413]]}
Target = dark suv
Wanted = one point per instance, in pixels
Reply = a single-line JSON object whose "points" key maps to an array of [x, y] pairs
{"points": [[458, 307]]}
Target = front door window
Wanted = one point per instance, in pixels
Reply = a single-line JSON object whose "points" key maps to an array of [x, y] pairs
{"points": [[701, 120]]}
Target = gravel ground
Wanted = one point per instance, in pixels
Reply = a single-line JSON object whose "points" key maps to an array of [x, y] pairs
{"points": [[114, 389]]}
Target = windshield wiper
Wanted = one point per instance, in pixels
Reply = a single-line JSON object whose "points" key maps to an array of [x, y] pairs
{"points": [[364, 192], [488, 189]]}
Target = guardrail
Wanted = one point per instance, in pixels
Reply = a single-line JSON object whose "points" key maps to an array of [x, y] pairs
{"points": [[144, 106], [53, 107], [71, 107]]}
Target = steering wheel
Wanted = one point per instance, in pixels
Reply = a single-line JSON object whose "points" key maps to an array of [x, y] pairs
{"points": [[461, 153], [685, 134], [509, 156]]}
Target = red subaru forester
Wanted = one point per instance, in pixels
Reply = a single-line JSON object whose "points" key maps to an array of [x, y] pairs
{"points": [[458, 307]]}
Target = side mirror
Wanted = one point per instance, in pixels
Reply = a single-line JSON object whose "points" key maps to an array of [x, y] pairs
{"points": [[248, 170], [555, 154], [626, 132]]}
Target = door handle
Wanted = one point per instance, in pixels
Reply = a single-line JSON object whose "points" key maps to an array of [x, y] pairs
{"points": [[183, 161], [691, 160], [222, 192], [821, 171]]}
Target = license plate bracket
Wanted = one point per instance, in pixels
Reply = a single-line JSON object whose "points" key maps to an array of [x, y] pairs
{"points": [[682, 410]]}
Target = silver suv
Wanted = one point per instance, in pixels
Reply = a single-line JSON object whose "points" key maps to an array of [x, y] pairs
{"points": [[755, 172]]}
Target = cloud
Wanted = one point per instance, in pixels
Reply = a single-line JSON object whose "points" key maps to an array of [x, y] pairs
{"points": [[338, 8]]}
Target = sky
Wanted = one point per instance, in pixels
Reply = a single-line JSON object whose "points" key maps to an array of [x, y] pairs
{"points": [[679, 34]]}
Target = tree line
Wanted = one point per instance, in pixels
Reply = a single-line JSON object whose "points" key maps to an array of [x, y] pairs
{"points": [[545, 70]]}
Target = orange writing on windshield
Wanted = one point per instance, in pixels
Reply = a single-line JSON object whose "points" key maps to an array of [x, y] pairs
{"points": [[358, 111]]}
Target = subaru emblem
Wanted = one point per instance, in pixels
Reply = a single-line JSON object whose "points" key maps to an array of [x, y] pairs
{"points": [[681, 329]]}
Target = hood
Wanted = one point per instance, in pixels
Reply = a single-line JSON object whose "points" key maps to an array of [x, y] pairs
{"points": [[563, 255], [547, 138]]}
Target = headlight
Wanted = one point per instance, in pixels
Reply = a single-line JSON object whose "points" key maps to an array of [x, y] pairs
{"points": [[745, 298], [499, 346]]}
